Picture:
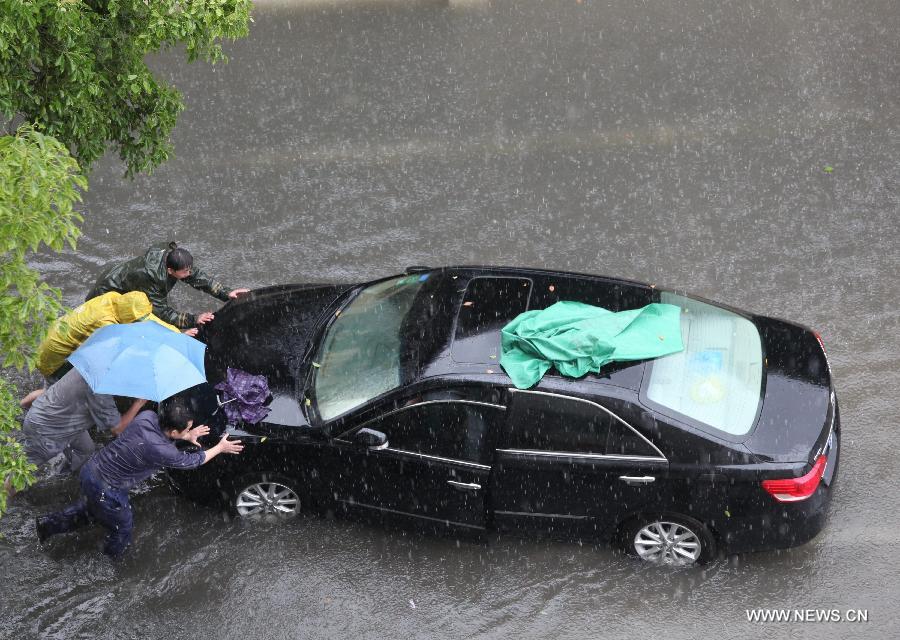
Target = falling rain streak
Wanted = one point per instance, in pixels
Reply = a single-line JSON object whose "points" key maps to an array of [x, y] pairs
{"points": [[749, 153]]}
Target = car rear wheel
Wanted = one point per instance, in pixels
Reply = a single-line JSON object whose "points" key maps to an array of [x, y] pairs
{"points": [[266, 498], [669, 539]]}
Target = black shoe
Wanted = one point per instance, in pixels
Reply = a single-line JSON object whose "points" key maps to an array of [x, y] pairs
{"points": [[41, 526]]}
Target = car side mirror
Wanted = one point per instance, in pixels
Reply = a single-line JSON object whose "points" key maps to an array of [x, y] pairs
{"points": [[371, 439]]}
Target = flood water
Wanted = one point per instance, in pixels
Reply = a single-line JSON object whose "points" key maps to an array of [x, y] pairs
{"points": [[681, 143]]}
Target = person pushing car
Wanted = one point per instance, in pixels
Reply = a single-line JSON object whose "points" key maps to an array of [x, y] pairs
{"points": [[71, 330], [155, 273], [144, 448], [59, 421]]}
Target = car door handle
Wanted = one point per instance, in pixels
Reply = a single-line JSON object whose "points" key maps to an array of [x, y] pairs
{"points": [[464, 486], [637, 479]]}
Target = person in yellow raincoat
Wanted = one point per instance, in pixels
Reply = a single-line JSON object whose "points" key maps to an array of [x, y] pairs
{"points": [[69, 331]]}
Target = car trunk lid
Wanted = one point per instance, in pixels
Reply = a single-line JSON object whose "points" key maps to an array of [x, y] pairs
{"points": [[799, 409]]}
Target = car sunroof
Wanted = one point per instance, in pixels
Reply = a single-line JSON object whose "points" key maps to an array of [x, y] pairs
{"points": [[488, 305]]}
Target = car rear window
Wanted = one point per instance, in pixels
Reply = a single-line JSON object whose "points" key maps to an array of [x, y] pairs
{"points": [[716, 380]]}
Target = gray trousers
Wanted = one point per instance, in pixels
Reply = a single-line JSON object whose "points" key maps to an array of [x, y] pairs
{"points": [[77, 448]]}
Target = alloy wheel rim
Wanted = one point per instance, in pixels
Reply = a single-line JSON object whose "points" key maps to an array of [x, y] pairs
{"points": [[267, 500], [667, 543]]}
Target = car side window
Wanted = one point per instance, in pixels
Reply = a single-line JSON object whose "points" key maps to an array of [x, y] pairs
{"points": [[446, 429], [547, 422], [623, 441]]}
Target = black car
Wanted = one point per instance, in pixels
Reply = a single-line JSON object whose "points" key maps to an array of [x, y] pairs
{"points": [[388, 400]]}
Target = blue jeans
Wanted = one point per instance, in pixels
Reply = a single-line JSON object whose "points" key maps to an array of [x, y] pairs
{"points": [[101, 503]]}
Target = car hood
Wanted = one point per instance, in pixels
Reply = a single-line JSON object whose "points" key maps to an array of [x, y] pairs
{"points": [[267, 331]]}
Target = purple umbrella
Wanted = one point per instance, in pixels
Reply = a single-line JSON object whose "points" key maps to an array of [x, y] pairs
{"points": [[244, 396]]}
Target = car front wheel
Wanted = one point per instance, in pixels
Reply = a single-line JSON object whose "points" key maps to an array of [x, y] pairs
{"points": [[266, 498], [669, 539]]}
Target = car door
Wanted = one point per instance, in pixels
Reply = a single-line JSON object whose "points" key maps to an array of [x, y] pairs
{"points": [[568, 465], [434, 466]]}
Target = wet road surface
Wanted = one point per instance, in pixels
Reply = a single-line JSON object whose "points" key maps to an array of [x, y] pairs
{"points": [[682, 143]]}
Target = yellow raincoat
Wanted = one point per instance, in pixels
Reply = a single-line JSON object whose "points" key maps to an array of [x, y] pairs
{"points": [[69, 331]]}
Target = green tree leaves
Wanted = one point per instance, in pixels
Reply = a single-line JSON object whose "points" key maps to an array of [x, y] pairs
{"points": [[75, 70], [17, 471], [39, 184]]}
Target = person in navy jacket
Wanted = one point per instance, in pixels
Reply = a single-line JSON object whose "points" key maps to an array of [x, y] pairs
{"points": [[145, 447]]}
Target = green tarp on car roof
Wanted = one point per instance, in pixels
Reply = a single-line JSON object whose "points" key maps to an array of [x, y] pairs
{"points": [[578, 338]]}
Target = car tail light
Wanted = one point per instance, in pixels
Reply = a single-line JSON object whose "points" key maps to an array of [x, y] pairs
{"points": [[796, 489]]}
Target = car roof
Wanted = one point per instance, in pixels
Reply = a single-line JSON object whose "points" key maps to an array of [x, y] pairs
{"points": [[545, 287], [449, 327]]}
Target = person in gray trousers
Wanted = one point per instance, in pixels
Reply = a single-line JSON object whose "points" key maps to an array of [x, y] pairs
{"points": [[59, 420]]}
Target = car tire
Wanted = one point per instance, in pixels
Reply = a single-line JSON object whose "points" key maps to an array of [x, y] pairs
{"points": [[266, 497], [669, 539]]}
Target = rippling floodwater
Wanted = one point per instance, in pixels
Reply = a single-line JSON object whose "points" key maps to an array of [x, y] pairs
{"points": [[679, 143]]}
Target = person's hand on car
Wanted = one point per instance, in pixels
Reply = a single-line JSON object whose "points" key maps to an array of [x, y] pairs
{"points": [[191, 434], [224, 446], [230, 446]]}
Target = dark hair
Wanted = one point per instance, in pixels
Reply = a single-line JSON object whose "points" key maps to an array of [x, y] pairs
{"points": [[123, 404], [179, 259], [175, 413]]}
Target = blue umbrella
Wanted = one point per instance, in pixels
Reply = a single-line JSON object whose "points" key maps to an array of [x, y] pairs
{"points": [[140, 360]]}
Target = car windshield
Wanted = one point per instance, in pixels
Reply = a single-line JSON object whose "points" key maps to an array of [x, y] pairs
{"points": [[360, 356], [716, 380]]}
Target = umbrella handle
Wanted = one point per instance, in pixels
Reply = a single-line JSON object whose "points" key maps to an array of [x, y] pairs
{"points": [[221, 404]]}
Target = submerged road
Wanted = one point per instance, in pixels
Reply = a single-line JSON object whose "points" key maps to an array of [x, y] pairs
{"points": [[746, 152]]}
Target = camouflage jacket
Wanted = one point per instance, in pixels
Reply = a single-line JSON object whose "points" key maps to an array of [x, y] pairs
{"points": [[147, 273]]}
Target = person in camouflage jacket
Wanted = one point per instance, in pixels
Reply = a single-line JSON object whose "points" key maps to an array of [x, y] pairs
{"points": [[155, 273]]}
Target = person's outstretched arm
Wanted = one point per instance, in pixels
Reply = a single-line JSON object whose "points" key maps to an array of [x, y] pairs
{"points": [[128, 416], [200, 280], [224, 445]]}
